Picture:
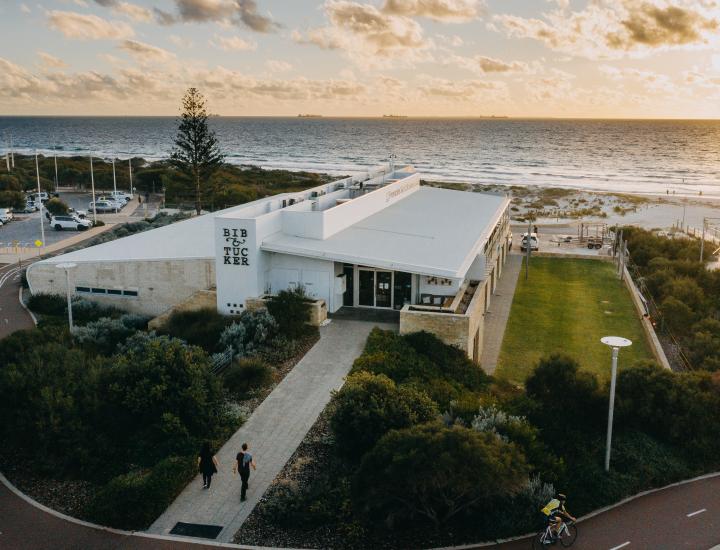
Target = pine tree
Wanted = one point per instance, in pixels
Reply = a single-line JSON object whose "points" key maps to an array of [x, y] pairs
{"points": [[196, 152]]}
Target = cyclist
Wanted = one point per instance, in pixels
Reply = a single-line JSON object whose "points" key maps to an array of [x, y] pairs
{"points": [[556, 514]]}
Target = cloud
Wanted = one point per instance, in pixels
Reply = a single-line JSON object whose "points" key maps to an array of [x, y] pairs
{"points": [[51, 62], [616, 28], [234, 12], [453, 11], [365, 32], [278, 66], [25, 9], [482, 64], [460, 90], [87, 27], [133, 11], [232, 43], [145, 53]]}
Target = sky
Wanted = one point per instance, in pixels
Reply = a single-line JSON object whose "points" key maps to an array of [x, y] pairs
{"points": [[519, 58]]}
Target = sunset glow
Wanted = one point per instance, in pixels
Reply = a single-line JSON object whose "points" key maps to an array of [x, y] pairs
{"points": [[539, 58]]}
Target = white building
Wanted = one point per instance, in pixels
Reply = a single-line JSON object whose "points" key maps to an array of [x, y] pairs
{"points": [[378, 240]]}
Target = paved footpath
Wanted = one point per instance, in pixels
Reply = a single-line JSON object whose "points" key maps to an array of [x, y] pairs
{"points": [[497, 317], [274, 431], [12, 315]]}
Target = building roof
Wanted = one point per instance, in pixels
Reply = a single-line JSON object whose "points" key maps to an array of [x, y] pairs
{"points": [[432, 231]]}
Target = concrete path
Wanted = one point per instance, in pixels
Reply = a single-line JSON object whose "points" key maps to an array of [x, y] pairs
{"points": [[274, 431], [12, 315], [497, 317]]}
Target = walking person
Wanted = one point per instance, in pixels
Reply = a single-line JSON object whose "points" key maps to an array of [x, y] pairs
{"points": [[208, 464], [243, 462]]}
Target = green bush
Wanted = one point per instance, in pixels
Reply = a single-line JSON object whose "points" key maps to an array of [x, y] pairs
{"points": [[16, 346], [86, 311], [47, 304], [201, 327], [248, 333], [104, 335], [433, 473], [369, 405], [291, 310], [280, 349], [56, 207], [134, 500], [246, 375]]}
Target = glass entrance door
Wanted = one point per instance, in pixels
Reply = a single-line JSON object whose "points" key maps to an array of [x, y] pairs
{"points": [[366, 288], [383, 289]]}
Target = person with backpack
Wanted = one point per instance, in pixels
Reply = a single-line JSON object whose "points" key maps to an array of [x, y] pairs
{"points": [[243, 462]]}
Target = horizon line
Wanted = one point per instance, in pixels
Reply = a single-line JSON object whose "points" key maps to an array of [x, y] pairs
{"points": [[383, 117]]}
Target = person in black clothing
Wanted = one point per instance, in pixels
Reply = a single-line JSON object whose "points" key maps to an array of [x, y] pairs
{"points": [[243, 462], [208, 464]]}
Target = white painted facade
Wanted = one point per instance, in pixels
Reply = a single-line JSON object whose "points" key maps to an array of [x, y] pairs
{"points": [[377, 239]]}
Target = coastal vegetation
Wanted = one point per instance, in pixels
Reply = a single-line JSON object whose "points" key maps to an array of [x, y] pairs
{"points": [[229, 185], [683, 296], [77, 412], [569, 304], [453, 456], [196, 154]]}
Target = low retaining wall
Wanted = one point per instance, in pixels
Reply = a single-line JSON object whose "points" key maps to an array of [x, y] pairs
{"points": [[202, 299], [655, 345], [318, 309]]}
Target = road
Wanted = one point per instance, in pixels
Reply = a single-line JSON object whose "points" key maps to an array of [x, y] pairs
{"points": [[675, 518], [12, 315]]}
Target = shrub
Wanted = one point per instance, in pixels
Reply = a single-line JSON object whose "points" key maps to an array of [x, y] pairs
{"points": [[246, 375], [159, 396], [370, 405], [291, 310], [56, 207], [201, 327], [280, 349], [47, 304], [248, 333], [134, 500], [85, 311], [104, 335], [16, 346], [431, 472]]}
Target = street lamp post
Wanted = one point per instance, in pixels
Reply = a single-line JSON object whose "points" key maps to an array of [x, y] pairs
{"points": [[615, 342], [67, 266]]}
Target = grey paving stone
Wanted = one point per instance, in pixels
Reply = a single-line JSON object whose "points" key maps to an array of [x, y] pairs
{"points": [[274, 431]]}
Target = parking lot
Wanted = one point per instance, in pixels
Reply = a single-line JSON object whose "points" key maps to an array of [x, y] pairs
{"points": [[24, 229]]}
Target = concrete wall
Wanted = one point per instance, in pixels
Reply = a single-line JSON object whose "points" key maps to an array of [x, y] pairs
{"points": [[159, 284], [202, 299]]}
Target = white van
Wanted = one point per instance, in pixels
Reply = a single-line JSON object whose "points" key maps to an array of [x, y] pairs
{"points": [[534, 242]]}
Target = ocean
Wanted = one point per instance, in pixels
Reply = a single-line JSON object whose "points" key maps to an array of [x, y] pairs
{"points": [[608, 155]]}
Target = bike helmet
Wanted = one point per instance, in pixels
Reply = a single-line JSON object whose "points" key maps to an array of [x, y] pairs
{"points": [[561, 497]]}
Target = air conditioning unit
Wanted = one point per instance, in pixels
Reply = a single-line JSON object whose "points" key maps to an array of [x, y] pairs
{"points": [[291, 202]]}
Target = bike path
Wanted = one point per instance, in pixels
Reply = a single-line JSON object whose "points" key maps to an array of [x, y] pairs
{"points": [[684, 516]]}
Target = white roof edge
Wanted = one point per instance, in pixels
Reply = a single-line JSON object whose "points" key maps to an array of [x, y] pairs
{"points": [[470, 258], [417, 269]]}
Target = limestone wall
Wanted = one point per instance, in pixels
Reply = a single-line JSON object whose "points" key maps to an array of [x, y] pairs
{"points": [[318, 309], [160, 285]]}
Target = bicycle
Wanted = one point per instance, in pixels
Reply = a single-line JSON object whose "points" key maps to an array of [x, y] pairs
{"points": [[567, 535]]}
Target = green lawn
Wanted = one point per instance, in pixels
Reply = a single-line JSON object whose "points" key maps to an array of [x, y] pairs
{"points": [[568, 305]]}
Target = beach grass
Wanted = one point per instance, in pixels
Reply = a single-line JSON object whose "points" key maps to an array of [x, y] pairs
{"points": [[567, 305]]}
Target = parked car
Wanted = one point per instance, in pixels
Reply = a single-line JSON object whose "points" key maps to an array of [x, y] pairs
{"points": [[30, 207], [120, 195], [37, 197], [102, 206], [119, 203], [534, 242], [82, 214], [69, 222], [6, 215]]}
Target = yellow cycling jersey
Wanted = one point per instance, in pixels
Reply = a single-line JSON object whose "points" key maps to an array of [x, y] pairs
{"points": [[551, 506]]}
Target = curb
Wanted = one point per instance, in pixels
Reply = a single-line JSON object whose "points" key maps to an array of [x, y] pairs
{"points": [[32, 315]]}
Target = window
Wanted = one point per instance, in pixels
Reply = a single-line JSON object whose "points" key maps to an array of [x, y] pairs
{"points": [[115, 291], [98, 291], [130, 292], [82, 289]]}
